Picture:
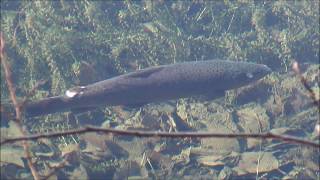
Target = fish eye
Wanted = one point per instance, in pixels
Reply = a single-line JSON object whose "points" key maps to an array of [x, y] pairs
{"points": [[249, 75]]}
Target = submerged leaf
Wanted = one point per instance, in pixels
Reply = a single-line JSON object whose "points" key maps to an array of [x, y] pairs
{"points": [[12, 155]]}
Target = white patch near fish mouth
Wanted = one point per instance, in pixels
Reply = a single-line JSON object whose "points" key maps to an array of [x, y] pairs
{"points": [[71, 94]]}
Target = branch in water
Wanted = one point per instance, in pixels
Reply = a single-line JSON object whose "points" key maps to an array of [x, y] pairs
{"points": [[303, 80], [17, 106], [137, 133]]}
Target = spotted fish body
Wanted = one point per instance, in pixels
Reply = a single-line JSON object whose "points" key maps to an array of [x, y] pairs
{"points": [[155, 84]]}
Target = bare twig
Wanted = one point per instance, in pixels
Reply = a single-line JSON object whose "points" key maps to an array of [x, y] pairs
{"points": [[311, 92], [303, 80], [17, 106], [7, 73], [137, 133], [54, 169]]}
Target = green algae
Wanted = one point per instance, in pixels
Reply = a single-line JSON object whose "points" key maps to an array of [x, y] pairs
{"points": [[52, 39]]}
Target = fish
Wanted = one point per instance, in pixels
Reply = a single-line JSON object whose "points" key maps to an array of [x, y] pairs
{"points": [[154, 84]]}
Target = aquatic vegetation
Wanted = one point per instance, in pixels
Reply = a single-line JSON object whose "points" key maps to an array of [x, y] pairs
{"points": [[78, 42], [50, 37]]}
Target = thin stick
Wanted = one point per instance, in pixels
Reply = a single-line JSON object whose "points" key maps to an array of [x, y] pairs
{"points": [[7, 73], [303, 80], [137, 133]]}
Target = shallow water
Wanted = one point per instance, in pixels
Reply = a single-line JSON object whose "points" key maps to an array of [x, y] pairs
{"points": [[73, 43]]}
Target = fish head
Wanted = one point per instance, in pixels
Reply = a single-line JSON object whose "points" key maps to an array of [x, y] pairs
{"points": [[244, 73]]}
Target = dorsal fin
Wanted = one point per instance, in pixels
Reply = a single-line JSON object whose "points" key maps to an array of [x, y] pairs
{"points": [[145, 72]]}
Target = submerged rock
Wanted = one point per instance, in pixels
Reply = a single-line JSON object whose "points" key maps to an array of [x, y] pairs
{"points": [[253, 162]]}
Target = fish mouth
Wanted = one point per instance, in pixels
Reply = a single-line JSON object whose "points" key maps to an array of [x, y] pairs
{"points": [[269, 70], [266, 70], [260, 72]]}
